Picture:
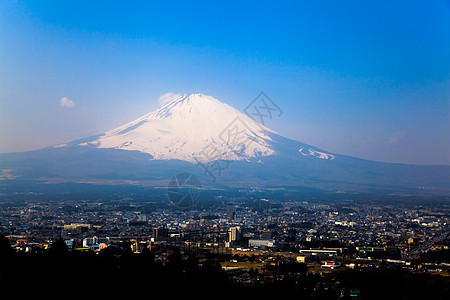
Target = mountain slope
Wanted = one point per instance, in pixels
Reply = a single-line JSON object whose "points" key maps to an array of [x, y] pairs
{"points": [[185, 127], [198, 134]]}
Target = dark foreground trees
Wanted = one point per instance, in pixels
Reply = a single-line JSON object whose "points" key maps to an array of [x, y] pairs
{"points": [[117, 272], [59, 271]]}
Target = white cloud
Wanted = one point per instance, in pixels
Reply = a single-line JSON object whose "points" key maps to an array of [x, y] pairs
{"points": [[396, 138], [66, 102], [167, 97]]}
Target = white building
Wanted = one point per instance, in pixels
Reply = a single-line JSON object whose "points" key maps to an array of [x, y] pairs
{"points": [[331, 265], [261, 243], [88, 242], [234, 234]]}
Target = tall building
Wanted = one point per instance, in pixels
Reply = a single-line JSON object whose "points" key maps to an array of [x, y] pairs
{"points": [[232, 216], [160, 234], [234, 234]]}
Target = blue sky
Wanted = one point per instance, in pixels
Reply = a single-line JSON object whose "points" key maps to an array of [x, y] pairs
{"points": [[364, 78]]}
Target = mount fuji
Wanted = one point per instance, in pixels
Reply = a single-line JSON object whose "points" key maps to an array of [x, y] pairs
{"points": [[223, 147], [188, 126]]}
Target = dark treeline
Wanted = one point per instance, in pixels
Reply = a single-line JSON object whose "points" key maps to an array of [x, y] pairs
{"points": [[116, 271], [60, 272]]}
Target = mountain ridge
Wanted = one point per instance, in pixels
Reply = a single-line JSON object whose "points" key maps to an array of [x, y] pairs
{"points": [[198, 134]]}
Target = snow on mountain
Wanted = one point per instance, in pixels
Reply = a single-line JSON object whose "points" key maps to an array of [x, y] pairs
{"points": [[195, 128], [192, 127], [318, 154]]}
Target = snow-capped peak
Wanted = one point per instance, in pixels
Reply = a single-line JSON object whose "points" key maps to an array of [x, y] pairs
{"points": [[193, 127]]}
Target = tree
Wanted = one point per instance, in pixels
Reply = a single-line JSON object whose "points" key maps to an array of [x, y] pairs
{"points": [[174, 261], [191, 263], [59, 248], [290, 268], [5, 247]]}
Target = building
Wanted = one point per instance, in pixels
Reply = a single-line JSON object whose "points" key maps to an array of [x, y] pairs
{"points": [[261, 243], [87, 242], [137, 247], [232, 216], [142, 218], [69, 243], [319, 252], [301, 258], [370, 249], [234, 234], [77, 227], [266, 235], [331, 265], [160, 234], [95, 240]]}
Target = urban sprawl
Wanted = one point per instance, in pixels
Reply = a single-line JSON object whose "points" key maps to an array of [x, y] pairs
{"points": [[248, 237]]}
